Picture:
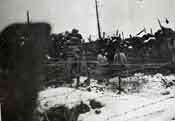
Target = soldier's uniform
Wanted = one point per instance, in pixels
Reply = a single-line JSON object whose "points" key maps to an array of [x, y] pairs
{"points": [[73, 53]]}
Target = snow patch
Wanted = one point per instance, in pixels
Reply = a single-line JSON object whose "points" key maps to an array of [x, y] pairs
{"points": [[149, 104]]}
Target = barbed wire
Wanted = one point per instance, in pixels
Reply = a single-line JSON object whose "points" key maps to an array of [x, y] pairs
{"points": [[137, 108], [144, 115], [105, 95], [126, 112], [69, 93]]}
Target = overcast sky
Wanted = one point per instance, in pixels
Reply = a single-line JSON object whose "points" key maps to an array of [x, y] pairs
{"points": [[128, 16]]}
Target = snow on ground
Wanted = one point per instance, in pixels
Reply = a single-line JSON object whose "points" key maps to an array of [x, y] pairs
{"points": [[64, 96], [151, 103]]}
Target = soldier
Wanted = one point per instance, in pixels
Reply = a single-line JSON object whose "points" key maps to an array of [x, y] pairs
{"points": [[74, 52], [120, 58]]}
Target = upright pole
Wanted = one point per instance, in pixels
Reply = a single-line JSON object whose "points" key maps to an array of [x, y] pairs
{"points": [[104, 35], [117, 32], [123, 37], [28, 18], [98, 23], [119, 88], [151, 31]]}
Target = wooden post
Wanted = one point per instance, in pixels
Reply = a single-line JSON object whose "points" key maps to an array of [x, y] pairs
{"points": [[78, 63], [119, 84], [87, 68], [98, 22], [117, 32], [90, 38], [104, 35], [123, 37], [28, 17], [78, 73], [151, 31]]}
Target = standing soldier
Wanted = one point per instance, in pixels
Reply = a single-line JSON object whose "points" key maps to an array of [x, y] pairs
{"points": [[120, 58], [75, 46]]}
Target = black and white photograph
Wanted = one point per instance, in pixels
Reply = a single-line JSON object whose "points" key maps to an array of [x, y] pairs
{"points": [[87, 60]]}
